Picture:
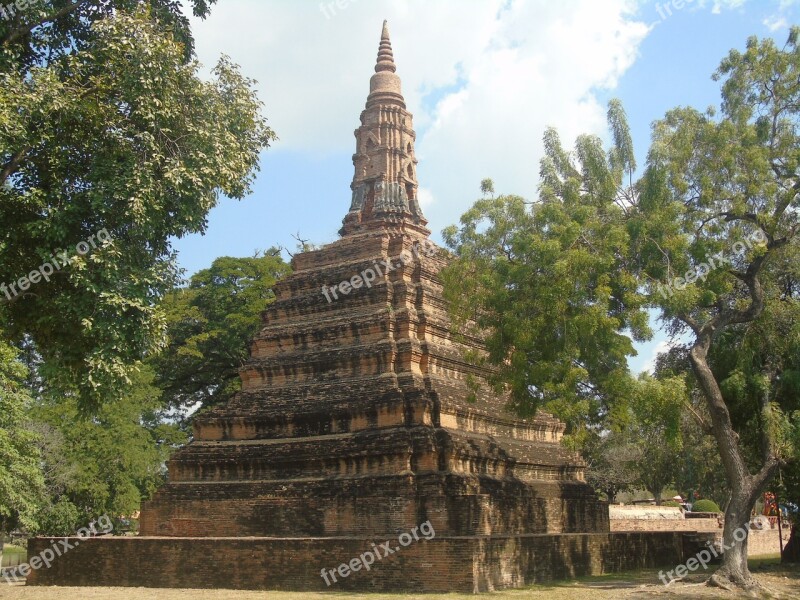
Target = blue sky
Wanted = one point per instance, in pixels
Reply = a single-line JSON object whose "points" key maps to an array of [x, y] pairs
{"points": [[483, 79]]}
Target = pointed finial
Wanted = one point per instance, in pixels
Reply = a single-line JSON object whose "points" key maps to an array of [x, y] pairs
{"points": [[385, 56]]}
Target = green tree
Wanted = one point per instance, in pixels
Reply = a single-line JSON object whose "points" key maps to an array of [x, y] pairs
{"points": [[559, 287], [211, 323], [715, 187], [21, 480], [640, 439], [105, 125], [549, 285], [107, 464], [610, 464], [700, 474], [656, 407]]}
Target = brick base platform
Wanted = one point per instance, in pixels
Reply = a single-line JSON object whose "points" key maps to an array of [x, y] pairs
{"points": [[465, 564]]}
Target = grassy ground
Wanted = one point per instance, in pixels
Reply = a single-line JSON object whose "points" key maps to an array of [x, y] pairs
{"points": [[782, 581], [13, 555]]}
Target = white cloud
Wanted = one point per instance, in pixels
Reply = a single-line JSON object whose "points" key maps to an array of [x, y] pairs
{"points": [[484, 79], [660, 348], [425, 197], [775, 22], [719, 5]]}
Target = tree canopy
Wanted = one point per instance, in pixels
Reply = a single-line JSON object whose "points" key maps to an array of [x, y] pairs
{"points": [[561, 285], [106, 126], [210, 324], [21, 480]]}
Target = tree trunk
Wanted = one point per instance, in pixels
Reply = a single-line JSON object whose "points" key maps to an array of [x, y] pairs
{"points": [[745, 487], [734, 538]]}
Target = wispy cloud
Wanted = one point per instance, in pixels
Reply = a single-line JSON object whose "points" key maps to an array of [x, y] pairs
{"points": [[483, 79]]}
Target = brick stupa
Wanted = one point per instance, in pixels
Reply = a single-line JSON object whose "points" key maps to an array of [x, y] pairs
{"points": [[355, 417], [355, 425]]}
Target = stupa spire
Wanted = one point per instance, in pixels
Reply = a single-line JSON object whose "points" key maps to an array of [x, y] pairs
{"points": [[385, 181], [385, 55]]}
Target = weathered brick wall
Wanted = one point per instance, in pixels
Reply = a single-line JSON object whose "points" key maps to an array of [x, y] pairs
{"points": [[764, 542], [664, 525], [474, 564], [455, 504]]}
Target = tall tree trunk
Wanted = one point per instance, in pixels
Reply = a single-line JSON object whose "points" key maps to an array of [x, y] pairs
{"points": [[735, 537], [745, 487]]}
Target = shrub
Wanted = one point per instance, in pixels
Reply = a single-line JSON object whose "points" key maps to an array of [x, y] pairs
{"points": [[672, 503], [705, 506]]}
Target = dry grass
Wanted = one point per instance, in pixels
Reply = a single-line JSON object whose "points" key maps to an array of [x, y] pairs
{"points": [[782, 581]]}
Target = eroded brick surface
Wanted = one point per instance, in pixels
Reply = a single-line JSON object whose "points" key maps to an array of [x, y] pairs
{"points": [[439, 565]]}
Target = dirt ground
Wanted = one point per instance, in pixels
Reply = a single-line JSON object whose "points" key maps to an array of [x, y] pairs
{"points": [[783, 581]]}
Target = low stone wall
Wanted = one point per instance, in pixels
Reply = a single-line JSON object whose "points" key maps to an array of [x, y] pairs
{"points": [[657, 518], [466, 564], [665, 525], [765, 542]]}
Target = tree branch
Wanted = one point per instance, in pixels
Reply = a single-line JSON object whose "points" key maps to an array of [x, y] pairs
{"points": [[12, 164], [15, 34]]}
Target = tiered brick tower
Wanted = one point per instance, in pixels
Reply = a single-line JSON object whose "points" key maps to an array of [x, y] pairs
{"points": [[354, 416]]}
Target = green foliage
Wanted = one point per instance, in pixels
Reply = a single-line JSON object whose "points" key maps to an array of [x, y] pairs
{"points": [[724, 188], [656, 409], [547, 284], [211, 324], [611, 463], [671, 503], [708, 237], [701, 473], [47, 30], [107, 464], [104, 124], [705, 506], [60, 518], [21, 479]]}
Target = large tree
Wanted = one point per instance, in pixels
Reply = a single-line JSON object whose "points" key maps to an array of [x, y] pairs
{"points": [[21, 479], [610, 464], [656, 407], [105, 465], [549, 286], [560, 285], [210, 325], [108, 135], [717, 214]]}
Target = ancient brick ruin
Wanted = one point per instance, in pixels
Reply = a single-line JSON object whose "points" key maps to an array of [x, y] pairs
{"points": [[355, 415], [356, 422]]}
